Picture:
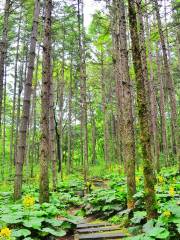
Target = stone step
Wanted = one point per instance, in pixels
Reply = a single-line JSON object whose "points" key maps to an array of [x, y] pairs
{"points": [[87, 225], [110, 235], [97, 229]]}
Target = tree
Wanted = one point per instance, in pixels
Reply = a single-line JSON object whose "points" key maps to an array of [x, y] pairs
{"points": [[45, 105], [3, 49], [124, 96], [26, 106], [143, 114]]}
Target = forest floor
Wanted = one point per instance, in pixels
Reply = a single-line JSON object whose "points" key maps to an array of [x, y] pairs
{"points": [[104, 201]]}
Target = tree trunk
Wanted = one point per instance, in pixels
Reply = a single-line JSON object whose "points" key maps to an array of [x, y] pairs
{"points": [[52, 137], [45, 105], [162, 109], [3, 50], [105, 113], [70, 120], [26, 107], [83, 88], [14, 95], [170, 84], [144, 115], [124, 96]]}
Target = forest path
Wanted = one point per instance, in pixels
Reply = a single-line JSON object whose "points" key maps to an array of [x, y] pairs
{"points": [[98, 230]]}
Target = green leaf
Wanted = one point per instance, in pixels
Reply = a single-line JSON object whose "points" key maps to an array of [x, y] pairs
{"points": [[11, 219], [148, 226], [159, 232], [53, 232], [54, 222], [21, 232], [33, 223], [138, 216]]}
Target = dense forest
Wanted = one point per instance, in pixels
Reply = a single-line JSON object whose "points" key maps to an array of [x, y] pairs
{"points": [[90, 119]]}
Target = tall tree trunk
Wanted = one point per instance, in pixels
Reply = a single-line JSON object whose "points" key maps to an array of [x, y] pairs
{"points": [[3, 49], [4, 128], [144, 115], [52, 136], [170, 83], [34, 103], [125, 101], [26, 106], [14, 94], [83, 87], [153, 100], [105, 113], [162, 109], [70, 120], [45, 105], [93, 125]]}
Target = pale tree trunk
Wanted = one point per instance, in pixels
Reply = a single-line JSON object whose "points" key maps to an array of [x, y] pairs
{"points": [[45, 105], [105, 112], [34, 110], [22, 73], [144, 115], [93, 125], [154, 110], [26, 106], [14, 93], [3, 49], [169, 82], [52, 135], [70, 120], [125, 101], [162, 109], [83, 87], [4, 128]]}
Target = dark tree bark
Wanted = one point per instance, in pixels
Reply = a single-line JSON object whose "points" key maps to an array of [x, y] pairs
{"points": [[144, 115], [45, 105], [26, 107], [3, 49]]}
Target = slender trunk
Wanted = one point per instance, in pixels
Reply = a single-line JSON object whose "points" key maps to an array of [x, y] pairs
{"points": [[52, 136], [3, 49], [93, 125], [154, 110], [170, 83], [144, 115], [34, 100], [125, 101], [105, 113], [26, 107], [162, 109], [14, 94], [4, 128], [83, 87], [45, 149], [69, 121]]}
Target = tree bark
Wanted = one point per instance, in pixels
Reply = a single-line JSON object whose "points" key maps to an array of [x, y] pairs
{"points": [[45, 105], [144, 115], [170, 84], [3, 49], [83, 87], [26, 107], [124, 96]]}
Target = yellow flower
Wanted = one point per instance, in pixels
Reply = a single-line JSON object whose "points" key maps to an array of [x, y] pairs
{"points": [[137, 179], [5, 233], [171, 191], [167, 213], [160, 179], [28, 201]]}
